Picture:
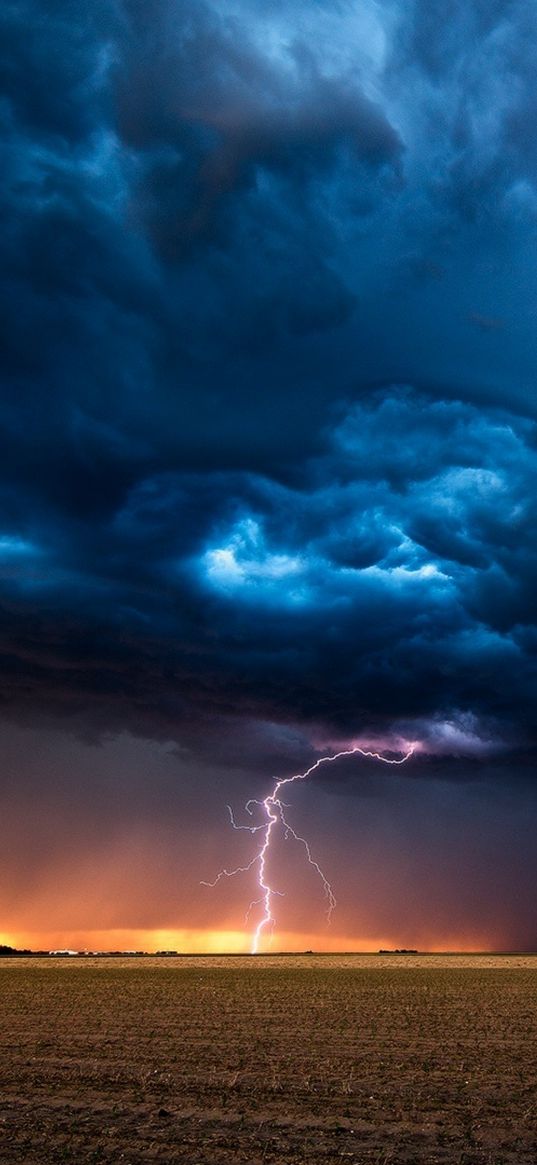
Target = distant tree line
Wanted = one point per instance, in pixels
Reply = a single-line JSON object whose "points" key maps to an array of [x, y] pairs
{"points": [[398, 951], [7, 952]]}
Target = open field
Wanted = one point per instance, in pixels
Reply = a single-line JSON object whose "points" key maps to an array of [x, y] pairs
{"points": [[275, 1060]]}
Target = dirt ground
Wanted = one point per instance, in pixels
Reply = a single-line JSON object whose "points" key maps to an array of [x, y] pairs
{"points": [[269, 1060]]}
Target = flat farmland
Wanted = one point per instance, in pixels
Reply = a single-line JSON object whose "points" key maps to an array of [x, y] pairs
{"points": [[345, 1059]]}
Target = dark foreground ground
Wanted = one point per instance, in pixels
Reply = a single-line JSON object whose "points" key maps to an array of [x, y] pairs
{"points": [[283, 1061]]}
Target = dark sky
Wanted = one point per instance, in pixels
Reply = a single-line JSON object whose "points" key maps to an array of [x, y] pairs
{"points": [[269, 455]]}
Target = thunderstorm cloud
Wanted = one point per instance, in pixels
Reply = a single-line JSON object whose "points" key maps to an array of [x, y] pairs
{"points": [[269, 439]]}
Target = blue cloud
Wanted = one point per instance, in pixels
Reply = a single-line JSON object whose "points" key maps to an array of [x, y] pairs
{"points": [[268, 404]]}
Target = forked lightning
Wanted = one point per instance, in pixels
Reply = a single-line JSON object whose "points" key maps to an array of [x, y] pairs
{"points": [[273, 811]]}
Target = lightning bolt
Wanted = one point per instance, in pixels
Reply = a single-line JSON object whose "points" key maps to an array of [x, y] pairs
{"points": [[272, 809]]}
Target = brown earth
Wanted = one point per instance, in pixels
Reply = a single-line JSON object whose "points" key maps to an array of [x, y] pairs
{"points": [[269, 1060]]}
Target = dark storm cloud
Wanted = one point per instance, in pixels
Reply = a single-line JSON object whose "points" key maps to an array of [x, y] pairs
{"points": [[269, 448], [211, 115], [53, 63]]}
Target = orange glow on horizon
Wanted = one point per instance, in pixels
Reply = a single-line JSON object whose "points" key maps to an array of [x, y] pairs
{"points": [[219, 942]]}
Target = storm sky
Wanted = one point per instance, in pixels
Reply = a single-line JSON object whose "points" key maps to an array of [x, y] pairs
{"points": [[269, 464]]}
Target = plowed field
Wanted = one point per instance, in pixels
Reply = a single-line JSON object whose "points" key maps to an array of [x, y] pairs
{"points": [[269, 1060]]}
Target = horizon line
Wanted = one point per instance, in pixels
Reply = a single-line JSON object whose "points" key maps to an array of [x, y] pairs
{"points": [[64, 953]]}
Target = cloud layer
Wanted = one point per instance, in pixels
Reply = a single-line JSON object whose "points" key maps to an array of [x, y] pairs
{"points": [[268, 419]]}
